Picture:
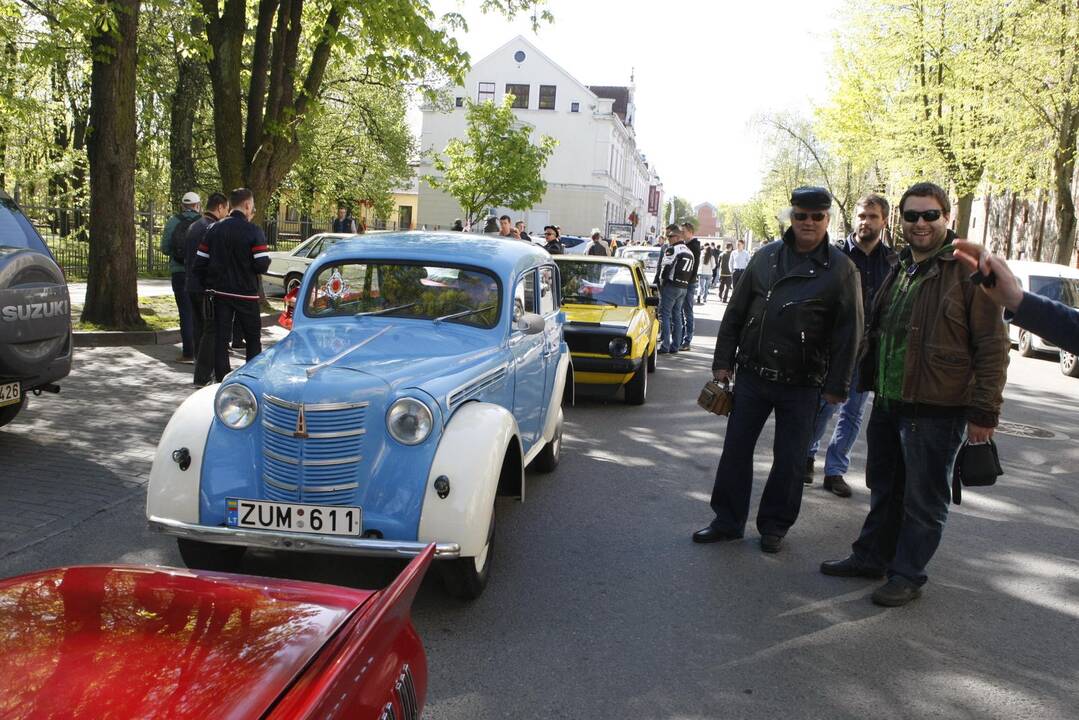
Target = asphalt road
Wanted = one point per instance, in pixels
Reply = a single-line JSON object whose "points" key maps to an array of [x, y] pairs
{"points": [[601, 607]]}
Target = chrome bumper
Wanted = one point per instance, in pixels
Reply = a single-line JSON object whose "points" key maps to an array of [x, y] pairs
{"points": [[300, 542]]}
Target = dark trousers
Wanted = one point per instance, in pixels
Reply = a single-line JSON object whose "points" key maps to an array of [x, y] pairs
{"points": [[226, 310], [725, 285], [754, 400], [183, 306], [736, 275], [908, 471], [204, 330]]}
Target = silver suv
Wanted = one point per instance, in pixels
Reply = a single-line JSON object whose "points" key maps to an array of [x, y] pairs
{"points": [[35, 314]]}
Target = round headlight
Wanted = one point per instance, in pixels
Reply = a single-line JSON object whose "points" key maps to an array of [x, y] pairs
{"points": [[619, 347], [236, 406], [409, 421]]}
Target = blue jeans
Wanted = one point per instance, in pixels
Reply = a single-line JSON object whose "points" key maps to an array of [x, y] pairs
{"points": [[909, 472], [754, 400], [705, 284], [671, 298], [837, 459], [687, 313], [183, 305]]}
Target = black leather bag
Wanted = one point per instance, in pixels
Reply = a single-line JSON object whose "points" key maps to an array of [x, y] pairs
{"points": [[975, 466]]}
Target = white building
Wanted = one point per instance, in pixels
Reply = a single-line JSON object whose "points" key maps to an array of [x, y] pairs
{"points": [[596, 176]]}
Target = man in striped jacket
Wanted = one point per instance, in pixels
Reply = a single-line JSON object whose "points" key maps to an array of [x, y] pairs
{"points": [[231, 257]]}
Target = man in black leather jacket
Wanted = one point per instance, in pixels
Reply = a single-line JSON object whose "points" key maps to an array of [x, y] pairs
{"points": [[792, 328]]}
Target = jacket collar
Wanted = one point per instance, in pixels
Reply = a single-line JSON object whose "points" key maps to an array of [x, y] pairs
{"points": [[851, 244], [818, 255]]}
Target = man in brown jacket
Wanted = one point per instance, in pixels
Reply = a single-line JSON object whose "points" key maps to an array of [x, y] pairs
{"points": [[936, 357]]}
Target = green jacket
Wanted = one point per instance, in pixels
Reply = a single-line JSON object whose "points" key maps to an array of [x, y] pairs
{"points": [[165, 245]]}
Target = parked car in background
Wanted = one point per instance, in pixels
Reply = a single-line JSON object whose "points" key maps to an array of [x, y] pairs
{"points": [[115, 641], [648, 256], [35, 314], [1057, 282], [424, 371], [611, 326], [288, 266], [574, 245]]}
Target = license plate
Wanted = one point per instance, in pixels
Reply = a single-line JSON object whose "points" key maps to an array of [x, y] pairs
{"points": [[290, 517], [10, 393]]}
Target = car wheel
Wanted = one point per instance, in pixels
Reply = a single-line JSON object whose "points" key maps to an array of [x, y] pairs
{"points": [[8, 412], [292, 281], [207, 556], [465, 578], [548, 458], [1069, 364], [652, 358], [1026, 344], [637, 387]]}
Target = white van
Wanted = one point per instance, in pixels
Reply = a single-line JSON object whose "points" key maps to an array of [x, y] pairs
{"points": [[1057, 282]]}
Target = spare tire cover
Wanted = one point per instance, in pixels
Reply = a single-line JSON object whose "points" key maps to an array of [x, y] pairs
{"points": [[35, 312]]}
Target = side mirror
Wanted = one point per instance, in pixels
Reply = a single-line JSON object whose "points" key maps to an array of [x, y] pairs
{"points": [[651, 301], [531, 324]]}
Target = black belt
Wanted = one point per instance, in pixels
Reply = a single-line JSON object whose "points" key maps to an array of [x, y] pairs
{"points": [[770, 374]]}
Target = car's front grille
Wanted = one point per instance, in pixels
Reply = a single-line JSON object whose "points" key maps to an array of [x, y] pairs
{"points": [[593, 343], [312, 452]]}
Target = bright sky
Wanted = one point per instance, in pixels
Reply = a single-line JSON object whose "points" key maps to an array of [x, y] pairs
{"points": [[704, 69]]}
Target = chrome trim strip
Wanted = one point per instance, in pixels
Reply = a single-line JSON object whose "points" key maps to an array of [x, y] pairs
{"points": [[321, 407], [314, 369], [330, 488], [280, 458], [301, 542], [336, 461], [279, 485], [277, 430], [489, 378], [338, 434]]}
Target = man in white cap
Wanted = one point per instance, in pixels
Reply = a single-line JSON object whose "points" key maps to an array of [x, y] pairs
{"points": [[173, 245]]}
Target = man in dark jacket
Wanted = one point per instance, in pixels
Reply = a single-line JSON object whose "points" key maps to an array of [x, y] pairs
{"points": [[234, 254], [792, 328], [172, 244], [874, 259], [203, 327], [344, 222], [694, 246], [552, 244], [936, 358], [725, 273]]}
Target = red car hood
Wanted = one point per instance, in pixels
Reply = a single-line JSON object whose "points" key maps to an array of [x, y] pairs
{"points": [[126, 642]]}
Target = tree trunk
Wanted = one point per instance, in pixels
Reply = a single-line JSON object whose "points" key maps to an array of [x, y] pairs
{"points": [[1064, 171], [112, 283], [1039, 237], [184, 105], [8, 58], [962, 219], [226, 35], [1010, 232]]}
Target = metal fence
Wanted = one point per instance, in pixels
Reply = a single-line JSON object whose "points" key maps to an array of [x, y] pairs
{"points": [[65, 231]]}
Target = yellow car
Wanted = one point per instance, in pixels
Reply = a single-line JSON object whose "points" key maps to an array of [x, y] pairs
{"points": [[611, 326]]}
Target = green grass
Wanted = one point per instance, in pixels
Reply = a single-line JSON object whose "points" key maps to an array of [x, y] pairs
{"points": [[158, 311]]}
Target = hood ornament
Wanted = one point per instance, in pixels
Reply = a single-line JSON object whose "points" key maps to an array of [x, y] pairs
{"points": [[301, 425]]}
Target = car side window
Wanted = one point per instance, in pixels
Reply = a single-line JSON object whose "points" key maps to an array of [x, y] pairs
{"points": [[315, 249], [548, 291], [524, 296]]}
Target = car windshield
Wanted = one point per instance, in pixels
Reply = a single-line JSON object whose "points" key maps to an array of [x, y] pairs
{"points": [[1063, 290], [15, 230], [642, 255], [392, 289], [594, 283]]}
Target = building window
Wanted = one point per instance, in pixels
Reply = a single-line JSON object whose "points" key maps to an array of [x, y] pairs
{"points": [[520, 95], [459, 102], [546, 98], [487, 92], [575, 107]]}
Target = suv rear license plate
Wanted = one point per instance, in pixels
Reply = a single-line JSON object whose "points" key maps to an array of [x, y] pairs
{"points": [[10, 393], [289, 517]]}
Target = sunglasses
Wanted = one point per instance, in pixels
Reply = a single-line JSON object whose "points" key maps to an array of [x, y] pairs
{"points": [[548, 234], [912, 216], [801, 216]]}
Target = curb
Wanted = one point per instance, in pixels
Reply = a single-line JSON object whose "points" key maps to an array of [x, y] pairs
{"points": [[120, 338]]}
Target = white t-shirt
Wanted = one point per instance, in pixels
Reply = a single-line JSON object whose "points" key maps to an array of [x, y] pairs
{"points": [[739, 260]]}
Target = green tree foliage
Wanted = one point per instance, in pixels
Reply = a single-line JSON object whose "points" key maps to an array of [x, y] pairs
{"points": [[495, 164], [683, 211]]}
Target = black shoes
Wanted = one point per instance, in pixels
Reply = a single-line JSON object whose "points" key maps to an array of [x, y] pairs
{"points": [[850, 567], [710, 535], [808, 479], [896, 592], [837, 485], [683, 347], [771, 543]]}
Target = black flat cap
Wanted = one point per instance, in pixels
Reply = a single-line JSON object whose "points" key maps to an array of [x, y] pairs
{"points": [[811, 198]]}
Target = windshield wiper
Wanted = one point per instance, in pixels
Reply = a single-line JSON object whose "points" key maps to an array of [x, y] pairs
{"points": [[593, 299], [384, 311], [464, 313]]}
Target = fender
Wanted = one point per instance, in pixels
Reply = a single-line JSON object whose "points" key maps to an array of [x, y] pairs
{"points": [[174, 493], [554, 407], [470, 455]]}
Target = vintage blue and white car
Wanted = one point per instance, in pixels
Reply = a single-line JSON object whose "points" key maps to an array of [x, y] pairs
{"points": [[423, 373]]}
